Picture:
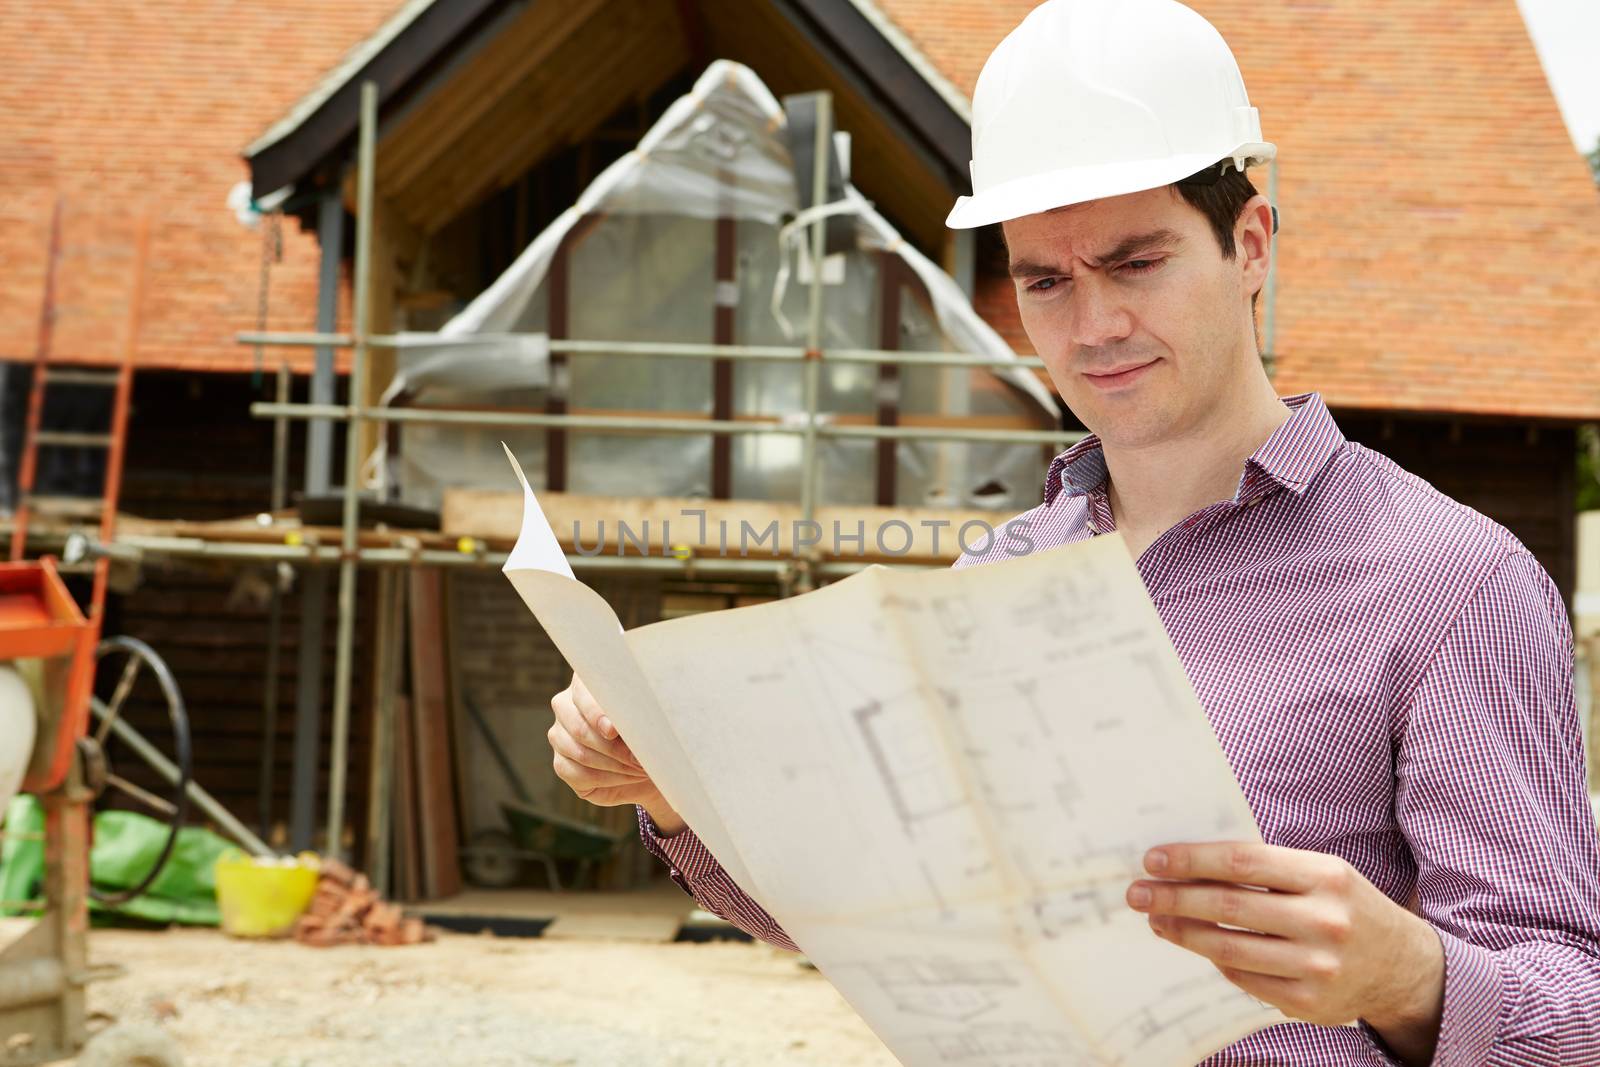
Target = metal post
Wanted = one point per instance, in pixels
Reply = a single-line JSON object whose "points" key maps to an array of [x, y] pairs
{"points": [[352, 471], [308, 709], [813, 367], [169, 772], [1269, 354], [680, 350], [314, 589], [319, 435], [462, 417], [269, 695]]}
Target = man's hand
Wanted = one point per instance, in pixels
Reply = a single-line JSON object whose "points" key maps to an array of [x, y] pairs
{"points": [[1322, 943], [594, 760]]}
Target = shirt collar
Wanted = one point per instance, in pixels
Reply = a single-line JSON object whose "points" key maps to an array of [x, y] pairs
{"points": [[1295, 453], [1079, 470], [1290, 459]]}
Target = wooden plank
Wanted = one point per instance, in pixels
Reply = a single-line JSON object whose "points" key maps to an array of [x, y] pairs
{"points": [[659, 900], [430, 712], [605, 926], [380, 809], [455, 603], [407, 861]]}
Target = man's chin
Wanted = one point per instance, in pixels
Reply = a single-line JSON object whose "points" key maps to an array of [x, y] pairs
{"points": [[1131, 430]]}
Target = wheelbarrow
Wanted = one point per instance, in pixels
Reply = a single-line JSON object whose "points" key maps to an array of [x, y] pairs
{"points": [[494, 858]]}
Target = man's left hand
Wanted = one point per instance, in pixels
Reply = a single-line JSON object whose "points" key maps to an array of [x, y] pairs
{"points": [[1321, 944]]}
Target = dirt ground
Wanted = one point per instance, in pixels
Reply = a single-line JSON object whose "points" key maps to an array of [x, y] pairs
{"points": [[478, 1001]]}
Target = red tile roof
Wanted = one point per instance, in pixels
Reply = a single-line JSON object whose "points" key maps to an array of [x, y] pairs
{"points": [[132, 108], [1440, 251], [1440, 247]]}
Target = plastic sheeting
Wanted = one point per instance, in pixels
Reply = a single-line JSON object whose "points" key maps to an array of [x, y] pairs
{"points": [[642, 267]]}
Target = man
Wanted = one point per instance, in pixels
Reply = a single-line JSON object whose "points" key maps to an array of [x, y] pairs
{"points": [[1388, 671]]}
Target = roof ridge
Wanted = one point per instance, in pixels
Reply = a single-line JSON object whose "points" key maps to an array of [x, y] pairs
{"points": [[959, 102], [341, 72]]}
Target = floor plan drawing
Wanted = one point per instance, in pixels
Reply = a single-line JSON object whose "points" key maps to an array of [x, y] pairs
{"points": [[912, 770], [944, 988], [1016, 1047], [940, 783]]}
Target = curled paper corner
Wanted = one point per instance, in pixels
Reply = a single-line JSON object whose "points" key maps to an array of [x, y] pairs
{"points": [[537, 547], [523, 478]]}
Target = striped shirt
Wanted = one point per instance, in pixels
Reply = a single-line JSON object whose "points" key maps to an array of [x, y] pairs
{"points": [[1390, 675]]}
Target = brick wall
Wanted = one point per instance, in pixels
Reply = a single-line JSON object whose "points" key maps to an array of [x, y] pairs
{"points": [[143, 107]]}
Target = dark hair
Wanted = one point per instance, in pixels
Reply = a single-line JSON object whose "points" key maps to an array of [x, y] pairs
{"points": [[1221, 199]]}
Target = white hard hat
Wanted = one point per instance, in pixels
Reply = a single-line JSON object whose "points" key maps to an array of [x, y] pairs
{"points": [[1095, 98]]}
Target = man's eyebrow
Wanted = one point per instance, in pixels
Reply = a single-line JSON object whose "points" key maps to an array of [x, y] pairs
{"points": [[1127, 248], [1027, 268]]}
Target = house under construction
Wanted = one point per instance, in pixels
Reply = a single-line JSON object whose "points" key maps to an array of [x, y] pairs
{"points": [[628, 240]]}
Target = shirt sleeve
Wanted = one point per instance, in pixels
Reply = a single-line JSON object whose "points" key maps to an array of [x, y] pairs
{"points": [[1490, 793], [697, 872]]}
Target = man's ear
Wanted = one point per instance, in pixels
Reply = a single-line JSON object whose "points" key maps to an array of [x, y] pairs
{"points": [[1252, 237]]}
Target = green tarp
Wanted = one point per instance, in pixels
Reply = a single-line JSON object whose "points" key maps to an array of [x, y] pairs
{"points": [[125, 844]]}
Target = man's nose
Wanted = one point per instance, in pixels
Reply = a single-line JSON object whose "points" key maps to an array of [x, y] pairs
{"points": [[1099, 315]]}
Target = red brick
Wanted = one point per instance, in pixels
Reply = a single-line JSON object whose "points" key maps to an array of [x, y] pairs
{"points": [[1441, 238], [143, 108], [1440, 251]]}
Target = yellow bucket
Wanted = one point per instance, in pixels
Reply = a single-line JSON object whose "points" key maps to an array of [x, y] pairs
{"points": [[261, 897]]}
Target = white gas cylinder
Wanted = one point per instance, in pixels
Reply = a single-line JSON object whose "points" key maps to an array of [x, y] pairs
{"points": [[17, 725]]}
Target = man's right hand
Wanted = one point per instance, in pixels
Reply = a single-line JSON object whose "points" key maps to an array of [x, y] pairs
{"points": [[596, 763]]}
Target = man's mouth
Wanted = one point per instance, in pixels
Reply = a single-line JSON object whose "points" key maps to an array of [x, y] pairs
{"points": [[1119, 376]]}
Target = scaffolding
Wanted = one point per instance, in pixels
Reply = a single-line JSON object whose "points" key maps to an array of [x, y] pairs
{"points": [[800, 571]]}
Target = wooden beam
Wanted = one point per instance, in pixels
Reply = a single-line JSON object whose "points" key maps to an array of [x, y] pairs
{"points": [[927, 535], [725, 288], [435, 130], [555, 439], [602, 63], [430, 711], [888, 388]]}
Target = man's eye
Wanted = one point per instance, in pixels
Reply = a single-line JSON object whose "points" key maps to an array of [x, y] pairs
{"points": [[1043, 285], [1141, 266]]}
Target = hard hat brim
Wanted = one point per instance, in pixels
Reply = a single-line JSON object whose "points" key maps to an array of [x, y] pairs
{"points": [[1038, 193]]}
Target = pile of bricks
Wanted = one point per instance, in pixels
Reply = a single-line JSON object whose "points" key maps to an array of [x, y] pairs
{"points": [[347, 911]]}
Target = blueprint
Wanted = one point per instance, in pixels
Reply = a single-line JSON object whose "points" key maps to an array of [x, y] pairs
{"points": [[940, 783]]}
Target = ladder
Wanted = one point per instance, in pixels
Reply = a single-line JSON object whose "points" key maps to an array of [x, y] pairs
{"points": [[36, 436]]}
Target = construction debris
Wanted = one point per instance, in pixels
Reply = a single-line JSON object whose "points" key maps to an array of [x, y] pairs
{"points": [[346, 910]]}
